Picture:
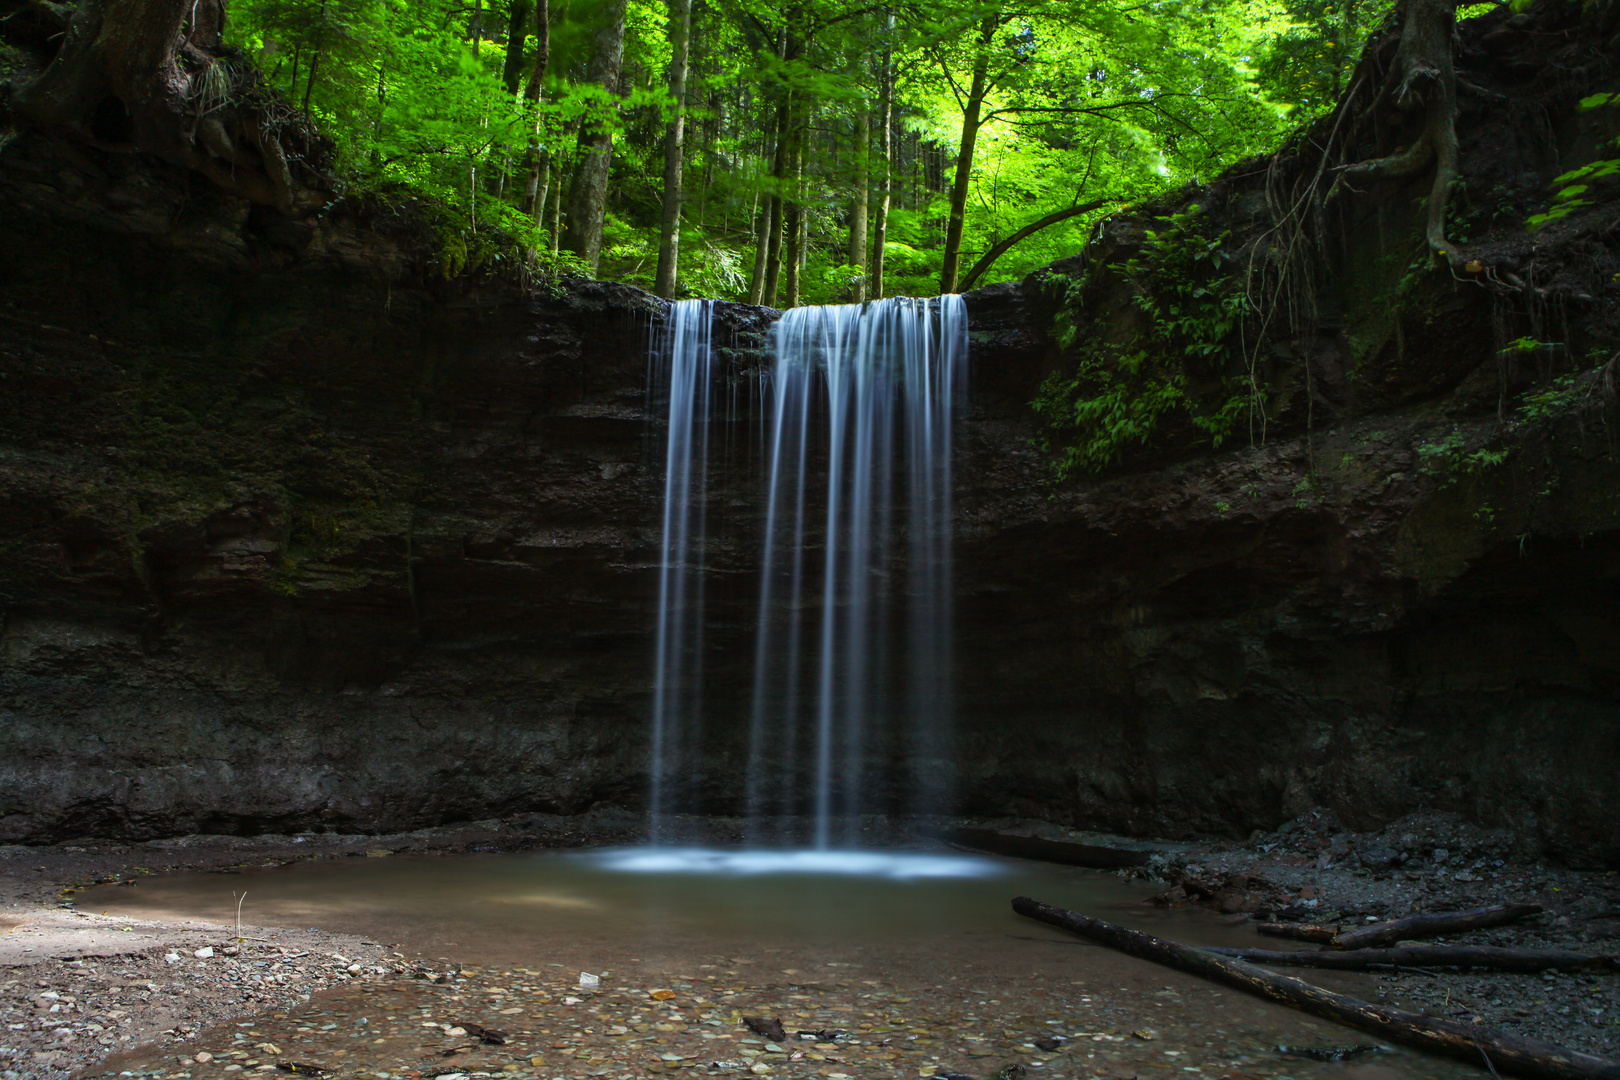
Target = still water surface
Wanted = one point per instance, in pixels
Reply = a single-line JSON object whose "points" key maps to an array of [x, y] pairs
{"points": [[603, 906], [828, 925]]}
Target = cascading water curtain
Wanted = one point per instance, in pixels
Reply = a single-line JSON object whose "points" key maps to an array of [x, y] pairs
{"points": [[857, 390], [680, 371]]}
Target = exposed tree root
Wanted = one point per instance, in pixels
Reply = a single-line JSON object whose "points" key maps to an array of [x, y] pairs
{"points": [[1428, 80], [153, 76]]}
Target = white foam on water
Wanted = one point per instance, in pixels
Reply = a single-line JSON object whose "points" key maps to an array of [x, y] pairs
{"points": [[743, 862]]}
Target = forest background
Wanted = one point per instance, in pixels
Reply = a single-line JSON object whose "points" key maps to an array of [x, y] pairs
{"points": [[809, 153]]}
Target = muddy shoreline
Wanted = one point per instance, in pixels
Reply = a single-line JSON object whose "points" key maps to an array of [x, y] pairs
{"points": [[77, 986]]}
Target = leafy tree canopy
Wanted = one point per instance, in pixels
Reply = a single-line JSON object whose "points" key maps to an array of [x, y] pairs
{"points": [[809, 127]]}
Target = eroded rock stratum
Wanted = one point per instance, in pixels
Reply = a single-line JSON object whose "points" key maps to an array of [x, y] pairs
{"points": [[298, 533]]}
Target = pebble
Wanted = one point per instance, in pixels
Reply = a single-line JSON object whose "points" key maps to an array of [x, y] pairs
{"points": [[411, 1029]]}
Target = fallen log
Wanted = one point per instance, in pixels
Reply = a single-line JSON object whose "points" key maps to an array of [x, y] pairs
{"points": [[1299, 931], [1430, 956], [1416, 926], [1529, 1058], [1033, 847]]}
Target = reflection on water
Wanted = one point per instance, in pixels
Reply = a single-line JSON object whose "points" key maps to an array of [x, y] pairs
{"points": [[894, 865]]}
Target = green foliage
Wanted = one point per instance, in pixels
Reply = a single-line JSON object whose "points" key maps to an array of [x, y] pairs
{"points": [[1565, 394], [1448, 458], [1596, 178], [1307, 64], [1184, 286], [1111, 403], [1116, 397], [1084, 100], [1524, 345]]}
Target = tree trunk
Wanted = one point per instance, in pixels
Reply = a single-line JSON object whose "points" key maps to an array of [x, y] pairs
{"points": [[669, 239], [989, 258], [542, 184], [885, 148], [1510, 1054], [1428, 81], [314, 70], [858, 204], [517, 31], [1033, 847], [587, 196], [1433, 925], [793, 216], [1489, 957], [533, 161], [555, 229], [779, 170], [964, 154], [762, 238], [382, 109], [1299, 931]]}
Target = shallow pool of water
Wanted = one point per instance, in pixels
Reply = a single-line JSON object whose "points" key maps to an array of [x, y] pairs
{"points": [[820, 939], [597, 908]]}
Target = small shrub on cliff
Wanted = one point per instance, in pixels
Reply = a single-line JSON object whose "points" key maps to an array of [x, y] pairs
{"points": [[1117, 395]]}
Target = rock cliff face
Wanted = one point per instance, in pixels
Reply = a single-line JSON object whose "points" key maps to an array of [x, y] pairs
{"points": [[297, 535]]}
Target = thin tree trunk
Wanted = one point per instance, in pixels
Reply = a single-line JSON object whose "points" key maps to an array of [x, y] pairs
{"points": [[669, 239], [880, 222], [793, 216], [762, 237], [542, 191], [964, 154], [533, 161], [314, 69], [803, 259], [779, 170], [314, 64], [587, 196], [773, 248], [858, 205], [382, 107], [556, 204]]}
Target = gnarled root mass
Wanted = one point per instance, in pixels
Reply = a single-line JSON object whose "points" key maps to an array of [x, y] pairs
{"points": [[154, 76], [1427, 80]]}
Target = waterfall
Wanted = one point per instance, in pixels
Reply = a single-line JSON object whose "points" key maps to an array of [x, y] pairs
{"points": [[852, 642], [680, 368]]}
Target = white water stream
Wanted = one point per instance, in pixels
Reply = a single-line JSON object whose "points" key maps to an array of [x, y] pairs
{"points": [[852, 643]]}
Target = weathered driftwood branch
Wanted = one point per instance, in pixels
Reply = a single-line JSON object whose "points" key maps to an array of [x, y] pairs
{"points": [[1300, 931], [1429, 956], [1416, 926], [1033, 847], [1529, 1058]]}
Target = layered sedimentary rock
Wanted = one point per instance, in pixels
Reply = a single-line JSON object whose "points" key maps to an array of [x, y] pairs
{"points": [[300, 533]]}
